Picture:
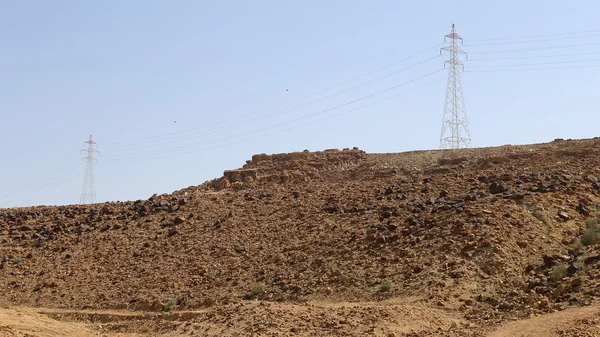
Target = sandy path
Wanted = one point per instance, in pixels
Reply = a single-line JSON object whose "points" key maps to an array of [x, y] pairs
{"points": [[23, 321], [546, 325]]}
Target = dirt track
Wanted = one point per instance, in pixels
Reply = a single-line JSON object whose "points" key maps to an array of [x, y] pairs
{"points": [[42, 322]]}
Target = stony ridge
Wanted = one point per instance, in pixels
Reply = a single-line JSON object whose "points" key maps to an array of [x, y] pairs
{"points": [[489, 234]]}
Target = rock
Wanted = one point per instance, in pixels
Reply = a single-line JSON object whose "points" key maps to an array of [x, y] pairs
{"points": [[179, 220], [106, 210], [458, 273], [571, 270], [497, 187], [522, 244], [564, 216], [223, 184], [549, 261], [592, 259], [559, 291], [143, 306], [172, 231], [156, 306], [576, 282], [583, 209], [168, 224]]}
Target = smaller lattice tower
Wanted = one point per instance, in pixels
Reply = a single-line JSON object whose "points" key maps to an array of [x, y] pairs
{"points": [[455, 128], [88, 191]]}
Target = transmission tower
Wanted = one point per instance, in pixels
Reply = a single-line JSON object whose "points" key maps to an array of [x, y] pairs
{"points": [[88, 191], [455, 128]]}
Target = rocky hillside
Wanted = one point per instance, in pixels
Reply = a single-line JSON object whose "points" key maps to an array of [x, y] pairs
{"points": [[488, 234]]}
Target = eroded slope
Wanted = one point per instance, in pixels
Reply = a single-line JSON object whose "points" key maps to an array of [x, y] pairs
{"points": [[488, 234]]}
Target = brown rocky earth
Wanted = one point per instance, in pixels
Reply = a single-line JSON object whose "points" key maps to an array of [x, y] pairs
{"points": [[331, 243]]}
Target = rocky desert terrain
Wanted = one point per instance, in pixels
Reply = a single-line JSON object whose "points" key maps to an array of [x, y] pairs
{"points": [[500, 241]]}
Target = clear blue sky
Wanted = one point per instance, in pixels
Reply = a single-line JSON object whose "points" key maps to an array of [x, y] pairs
{"points": [[127, 70]]}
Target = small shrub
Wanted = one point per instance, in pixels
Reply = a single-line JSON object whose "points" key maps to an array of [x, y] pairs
{"points": [[558, 272], [592, 222], [590, 235], [170, 305], [384, 287], [256, 289], [17, 260], [542, 217], [579, 263]]}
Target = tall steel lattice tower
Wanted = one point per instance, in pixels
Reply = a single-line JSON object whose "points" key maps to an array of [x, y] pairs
{"points": [[455, 128], [88, 191]]}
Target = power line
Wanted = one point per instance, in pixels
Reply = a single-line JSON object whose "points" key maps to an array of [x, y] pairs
{"points": [[533, 64], [265, 117], [531, 41], [56, 181], [167, 155], [534, 49], [67, 160], [291, 121], [278, 113], [532, 57], [114, 144], [527, 69], [172, 150], [534, 36]]}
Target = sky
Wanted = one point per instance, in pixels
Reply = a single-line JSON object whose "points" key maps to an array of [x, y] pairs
{"points": [[176, 92]]}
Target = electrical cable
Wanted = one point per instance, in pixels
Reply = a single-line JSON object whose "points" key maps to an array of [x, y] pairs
{"points": [[527, 69], [109, 145], [533, 64], [276, 125], [534, 36], [530, 41], [280, 131], [279, 113], [532, 57], [53, 182], [23, 187], [534, 49]]}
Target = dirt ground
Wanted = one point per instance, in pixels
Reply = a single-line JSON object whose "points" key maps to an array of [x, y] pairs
{"points": [[406, 320]]}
